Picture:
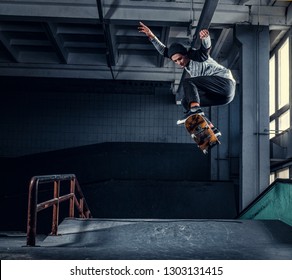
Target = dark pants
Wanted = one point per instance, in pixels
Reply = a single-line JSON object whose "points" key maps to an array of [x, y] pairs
{"points": [[207, 91]]}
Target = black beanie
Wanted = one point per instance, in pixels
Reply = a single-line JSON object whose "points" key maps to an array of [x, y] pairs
{"points": [[176, 48]]}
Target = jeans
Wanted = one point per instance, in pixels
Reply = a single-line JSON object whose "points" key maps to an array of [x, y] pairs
{"points": [[207, 91]]}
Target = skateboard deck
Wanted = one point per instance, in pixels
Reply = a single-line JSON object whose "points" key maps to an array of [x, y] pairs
{"points": [[201, 132]]}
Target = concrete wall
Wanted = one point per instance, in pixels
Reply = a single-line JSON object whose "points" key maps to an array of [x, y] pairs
{"points": [[130, 180], [39, 118], [121, 142]]}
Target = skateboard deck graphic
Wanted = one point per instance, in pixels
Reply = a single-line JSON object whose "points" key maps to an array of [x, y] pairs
{"points": [[201, 132]]}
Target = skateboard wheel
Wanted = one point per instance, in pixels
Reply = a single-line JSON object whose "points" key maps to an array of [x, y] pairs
{"points": [[214, 143]]}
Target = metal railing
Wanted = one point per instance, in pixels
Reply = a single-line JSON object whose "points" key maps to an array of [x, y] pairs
{"points": [[75, 197]]}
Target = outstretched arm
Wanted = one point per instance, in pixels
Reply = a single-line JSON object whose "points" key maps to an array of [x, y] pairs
{"points": [[159, 46], [146, 30]]}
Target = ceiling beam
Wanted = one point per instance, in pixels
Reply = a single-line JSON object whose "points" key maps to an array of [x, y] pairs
{"points": [[13, 54], [204, 20], [89, 72], [51, 32], [176, 14], [268, 15], [84, 11], [233, 56], [203, 23], [131, 12], [220, 42], [289, 14], [242, 2], [275, 37], [110, 52]]}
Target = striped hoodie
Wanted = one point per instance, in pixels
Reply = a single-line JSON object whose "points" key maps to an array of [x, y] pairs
{"points": [[201, 64]]}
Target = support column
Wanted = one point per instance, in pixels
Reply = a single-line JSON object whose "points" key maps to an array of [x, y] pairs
{"points": [[254, 89], [219, 155]]}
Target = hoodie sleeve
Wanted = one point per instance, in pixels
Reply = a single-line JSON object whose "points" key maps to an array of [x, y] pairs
{"points": [[159, 46], [206, 42], [202, 53]]}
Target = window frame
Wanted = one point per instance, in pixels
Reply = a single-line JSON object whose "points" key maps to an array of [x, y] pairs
{"points": [[278, 112]]}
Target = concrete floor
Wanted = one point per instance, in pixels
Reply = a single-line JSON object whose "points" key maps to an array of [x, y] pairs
{"points": [[156, 239]]}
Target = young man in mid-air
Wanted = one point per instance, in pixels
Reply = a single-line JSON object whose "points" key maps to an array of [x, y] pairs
{"points": [[210, 84]]}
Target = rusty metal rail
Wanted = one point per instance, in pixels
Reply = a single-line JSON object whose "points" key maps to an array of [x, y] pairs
{"points": [[75, 197]]}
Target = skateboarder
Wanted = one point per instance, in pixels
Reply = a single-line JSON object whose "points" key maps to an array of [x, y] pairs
{"points": [[210, 83]]}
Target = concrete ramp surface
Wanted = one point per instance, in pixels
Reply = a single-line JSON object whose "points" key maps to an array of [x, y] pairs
{"points": [[169, 239]]}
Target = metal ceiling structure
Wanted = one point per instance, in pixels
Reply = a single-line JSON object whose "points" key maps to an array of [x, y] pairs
{"points": [[95, 39]]}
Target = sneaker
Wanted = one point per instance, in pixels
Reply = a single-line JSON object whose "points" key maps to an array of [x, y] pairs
{"points": [[192, 111]]}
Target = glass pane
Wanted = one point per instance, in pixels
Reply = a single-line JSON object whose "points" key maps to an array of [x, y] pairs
{"points": [[284, 121], [272, 86], [272, 177], [284, 75], [283, 173], [272, 129]]}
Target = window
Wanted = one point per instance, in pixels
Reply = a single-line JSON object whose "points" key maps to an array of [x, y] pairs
{"points": [[280, 65], [283, 173], [283, 68], [272, 129], [280, 96], [284, 121], [272, 86], [272, 177]]}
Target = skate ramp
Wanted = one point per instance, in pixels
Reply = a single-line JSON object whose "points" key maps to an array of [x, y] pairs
{"points": [[275, 203], [170, 239], [262, 231]]}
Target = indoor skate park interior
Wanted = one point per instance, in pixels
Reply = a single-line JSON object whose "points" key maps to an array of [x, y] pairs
{"points": [[93, 165]]}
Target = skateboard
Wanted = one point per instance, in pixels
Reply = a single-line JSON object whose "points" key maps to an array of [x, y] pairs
{"points": [[201, 132]]}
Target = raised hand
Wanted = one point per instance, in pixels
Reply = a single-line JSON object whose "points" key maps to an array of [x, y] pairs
{"points": [[146, 30], [204, 33]]}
